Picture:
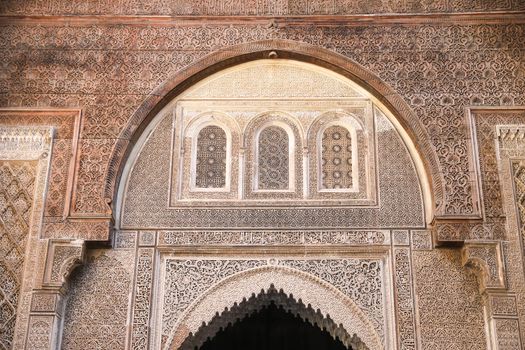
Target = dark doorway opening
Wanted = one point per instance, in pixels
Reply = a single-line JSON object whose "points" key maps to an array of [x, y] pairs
{"points": [[272, 320], [273, 328]]}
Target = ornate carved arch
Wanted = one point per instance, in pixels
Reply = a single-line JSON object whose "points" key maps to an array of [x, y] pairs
{"points": [[241, 53], [317, 294]]}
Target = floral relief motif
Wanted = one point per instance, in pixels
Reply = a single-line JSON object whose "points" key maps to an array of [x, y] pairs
{"points": [[187, 279], [102, 287], [273, 159], [359, 279], [449, 303], [436, 87], [211, 158], [94, 156]]}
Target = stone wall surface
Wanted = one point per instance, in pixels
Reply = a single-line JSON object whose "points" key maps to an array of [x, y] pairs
{"points": [[378, 273]]}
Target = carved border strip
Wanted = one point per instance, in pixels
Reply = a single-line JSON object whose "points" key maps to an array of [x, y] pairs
{"points": [[404, 298], [274, 237], [518, 174], [489, 17], [141, 303]]}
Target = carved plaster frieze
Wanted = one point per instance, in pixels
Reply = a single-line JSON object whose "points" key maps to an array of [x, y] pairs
{"points": [[486, 258], [511, 136], [274, 237], [461, 230], [25, 142]]}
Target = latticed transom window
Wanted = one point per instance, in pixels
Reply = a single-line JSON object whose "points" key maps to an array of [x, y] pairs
{"points": [[210, 169], [336, 158], [273, 159]]}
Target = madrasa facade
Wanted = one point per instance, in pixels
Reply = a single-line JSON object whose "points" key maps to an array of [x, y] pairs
{"points": [[262, 174]]}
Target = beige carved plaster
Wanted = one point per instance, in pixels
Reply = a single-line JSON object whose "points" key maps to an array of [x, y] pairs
{"points": [[383, 180], [62, 258], [144, 239], [33, 145], [258, 276], [304, 98], [501, 148], [45, 264], [171, 88]]}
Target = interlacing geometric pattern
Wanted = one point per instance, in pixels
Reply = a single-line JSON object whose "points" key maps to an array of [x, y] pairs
{"points": [[17, 180], [336, 158], [273, 160], [519, 188], [211, 158]]}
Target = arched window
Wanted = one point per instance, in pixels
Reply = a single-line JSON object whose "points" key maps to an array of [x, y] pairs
{"points": [[210, 164], [336, 158], [273, 159]]}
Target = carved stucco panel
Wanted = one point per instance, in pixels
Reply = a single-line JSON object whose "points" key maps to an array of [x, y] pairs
{"points": [[25, 154], [360, 279], [101, 286], [449, 304], [511, 154], [437, 87]]}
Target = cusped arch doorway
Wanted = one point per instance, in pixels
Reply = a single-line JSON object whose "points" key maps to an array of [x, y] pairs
{"points": [[272, 320]]}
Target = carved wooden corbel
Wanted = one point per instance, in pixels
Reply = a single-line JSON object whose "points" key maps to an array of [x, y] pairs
{"points": [[486, 259], [62, 258]]}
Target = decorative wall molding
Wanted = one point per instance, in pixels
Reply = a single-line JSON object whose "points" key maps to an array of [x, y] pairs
{"points": [[275, 238], [457, 231], [277, 12]]}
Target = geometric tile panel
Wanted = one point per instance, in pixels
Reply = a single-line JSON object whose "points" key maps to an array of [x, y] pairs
{"points": [[17, 179]]}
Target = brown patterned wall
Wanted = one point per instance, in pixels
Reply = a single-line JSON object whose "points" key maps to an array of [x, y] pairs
{"points": [[253, 7], [109, 70]]}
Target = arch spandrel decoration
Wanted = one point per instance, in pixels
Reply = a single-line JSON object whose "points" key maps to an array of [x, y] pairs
{"points": [[302, 117], [325, 299], [406, 122]]}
